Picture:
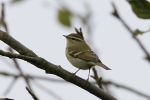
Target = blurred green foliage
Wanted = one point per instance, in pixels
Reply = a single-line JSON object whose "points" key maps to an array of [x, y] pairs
{"points": [[140, 32], [64, 17], [16, 1], [141, 8]]}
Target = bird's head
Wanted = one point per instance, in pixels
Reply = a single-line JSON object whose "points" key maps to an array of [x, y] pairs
{"points": [[78, 36]]}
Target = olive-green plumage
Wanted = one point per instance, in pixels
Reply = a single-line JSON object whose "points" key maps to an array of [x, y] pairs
{"points": [[80, 54]]}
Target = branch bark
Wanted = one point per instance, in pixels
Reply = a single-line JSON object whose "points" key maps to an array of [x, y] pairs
{"points": [[29, 56]]}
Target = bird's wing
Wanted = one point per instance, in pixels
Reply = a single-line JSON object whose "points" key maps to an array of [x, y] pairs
{"points": [[86, 55]]}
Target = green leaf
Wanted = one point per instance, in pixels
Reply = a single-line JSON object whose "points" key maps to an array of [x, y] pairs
{"points": [[16, 1], [139, 32], [64, 17], [141, 8]]}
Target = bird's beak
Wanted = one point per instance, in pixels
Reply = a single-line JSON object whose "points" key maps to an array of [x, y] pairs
{"points": [[64, 35]]}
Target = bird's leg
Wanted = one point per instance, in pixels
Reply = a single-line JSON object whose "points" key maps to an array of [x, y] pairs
{"points": [[76, 72], [88, 74]]}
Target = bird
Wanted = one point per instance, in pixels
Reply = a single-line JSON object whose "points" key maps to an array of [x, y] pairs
{"points": [[79, 53]]}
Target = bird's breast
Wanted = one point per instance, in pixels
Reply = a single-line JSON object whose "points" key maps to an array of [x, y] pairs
{"points": [[76, 62]]}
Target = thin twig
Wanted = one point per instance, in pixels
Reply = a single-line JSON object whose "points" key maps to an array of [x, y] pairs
{"points": [[32, 94], [2, 20], [33, 77], [99, 82], [118, 85], [96, 77], [51, 93], [141, 45], [5, 25], [11, 84]]}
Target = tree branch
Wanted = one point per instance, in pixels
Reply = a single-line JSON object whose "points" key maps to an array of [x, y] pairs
{"points": [[16, 45], [31, 57], [104, 82], [6, 99]]}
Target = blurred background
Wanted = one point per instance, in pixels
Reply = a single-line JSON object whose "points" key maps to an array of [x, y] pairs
{"points": [[40, 24]]}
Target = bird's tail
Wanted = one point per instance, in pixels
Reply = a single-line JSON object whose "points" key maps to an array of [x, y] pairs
{"points": [[104, 66]]}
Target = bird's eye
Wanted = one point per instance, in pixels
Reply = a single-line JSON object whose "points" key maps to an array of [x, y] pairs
{"points": [[73, 39]]}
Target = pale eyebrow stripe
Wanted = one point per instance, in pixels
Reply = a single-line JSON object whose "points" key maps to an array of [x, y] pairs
{"points": [[75, 38]]}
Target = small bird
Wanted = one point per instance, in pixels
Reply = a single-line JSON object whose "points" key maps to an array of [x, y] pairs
{"points": [[80, 54]]}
